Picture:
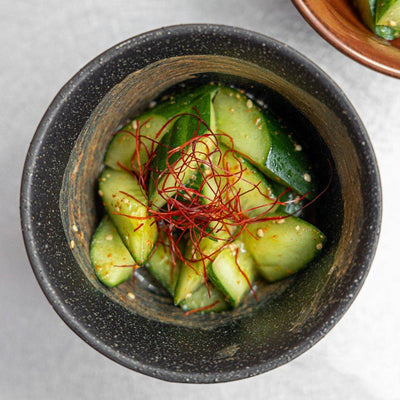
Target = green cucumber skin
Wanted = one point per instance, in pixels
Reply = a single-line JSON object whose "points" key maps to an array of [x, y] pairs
{"points": [[201, 298], [293, 205], [386, 32], [262, 140], [226, 276], [123, 144], [191, 277], [280, 249], [181, 133], [139, 240], [106, 251], [162, 267]]}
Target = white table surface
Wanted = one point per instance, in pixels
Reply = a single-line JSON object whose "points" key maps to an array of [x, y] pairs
{"points": [[43, 43]]}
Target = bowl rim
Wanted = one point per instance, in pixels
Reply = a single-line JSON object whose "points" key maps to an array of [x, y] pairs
{"points": [[354, 53], [39, 268]]}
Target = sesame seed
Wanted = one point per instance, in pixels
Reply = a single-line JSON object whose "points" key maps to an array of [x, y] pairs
{"points": [[260, 233], [188, 295], [230, 94], [117, 209], [392, 23], [134, 124], [131, 296], [298, 147], [280, 221], [72, 244], [74, 228], [257, 120], [126, 201], [109, 237], [152, 104], [231, 109], [108, 175], [249, 103], [319, 246], [307, 177], [297, 227], [238, 96]]}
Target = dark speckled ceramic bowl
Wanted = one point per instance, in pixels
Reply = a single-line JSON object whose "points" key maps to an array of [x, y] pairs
{"points": [[146, 333]]}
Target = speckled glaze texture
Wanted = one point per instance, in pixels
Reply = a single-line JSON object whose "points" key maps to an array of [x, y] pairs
{"points": [[148, 334], [338, 22]]}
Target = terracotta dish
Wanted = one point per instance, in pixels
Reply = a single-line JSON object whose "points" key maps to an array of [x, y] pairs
{"points": [[337, 21]]}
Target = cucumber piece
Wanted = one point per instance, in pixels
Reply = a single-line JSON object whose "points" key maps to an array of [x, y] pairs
{"points": [[388, 13], [367, 10], [201, 298], [255, 193], [228, 269], [123, 145], [139, 233], [162, 267], [293, 205], [262, 140], [191, 275], [282, 247], [386, 32], [185, 163], [111, 260]]}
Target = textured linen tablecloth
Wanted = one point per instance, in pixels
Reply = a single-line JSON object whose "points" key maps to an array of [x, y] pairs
{"points": [[43, 43]]}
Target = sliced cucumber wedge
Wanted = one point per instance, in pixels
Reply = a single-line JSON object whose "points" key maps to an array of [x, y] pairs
{"points": [[233, 271], [126, 204], [262, 140], [122, 148], [378, 22], [185, 162], [245, 183], [112, 262], [162, 267], [292, 203], [202, 299], [388, 13], [191, 275], [282, 247]]}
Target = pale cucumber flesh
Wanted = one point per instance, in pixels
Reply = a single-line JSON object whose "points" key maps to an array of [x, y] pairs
{"points": [[282, 247], [126, 204], [112, 262]]}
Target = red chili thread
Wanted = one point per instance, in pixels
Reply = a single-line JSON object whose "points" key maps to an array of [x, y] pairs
{"points": [[205, 308], [188, 209]]}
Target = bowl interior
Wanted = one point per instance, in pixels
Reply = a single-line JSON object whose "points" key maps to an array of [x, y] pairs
{"points": [[286, 309], [148, 334], [80, 206], [338, 22]]}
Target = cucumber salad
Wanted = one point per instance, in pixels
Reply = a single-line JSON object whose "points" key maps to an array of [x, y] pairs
{"points": [[206, 190]]}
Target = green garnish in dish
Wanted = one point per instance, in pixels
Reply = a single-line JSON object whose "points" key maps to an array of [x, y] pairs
{"points": [[381, 16]]}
